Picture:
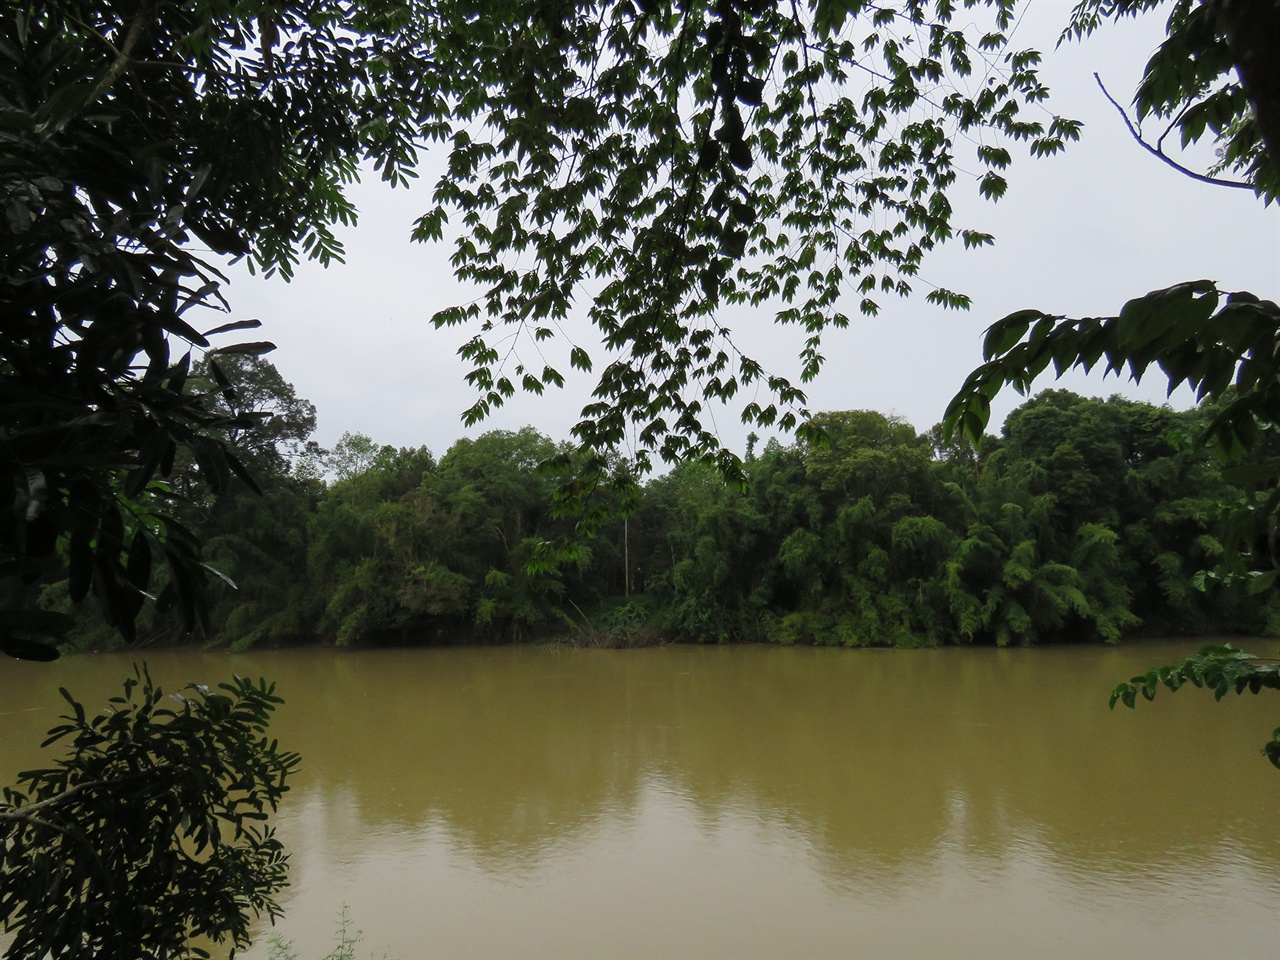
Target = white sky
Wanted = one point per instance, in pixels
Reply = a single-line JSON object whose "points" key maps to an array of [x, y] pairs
{"points": [[1077, 234]]}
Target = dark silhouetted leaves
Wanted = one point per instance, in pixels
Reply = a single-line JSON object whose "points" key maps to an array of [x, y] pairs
{"points": [[21, 649], [155, 794]]}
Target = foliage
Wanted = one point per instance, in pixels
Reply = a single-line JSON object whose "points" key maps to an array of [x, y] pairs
{"points": [[94, 408], [406, 547], [345, 949], [255, 538], [94, 278], [135, 132], [1221, 347], [276, 443], [150, 830], [1083, 521], [1216, 73], [132, 133], [1222, 669], [354, 454], [258, 540], [740, 151], [743, 151]]}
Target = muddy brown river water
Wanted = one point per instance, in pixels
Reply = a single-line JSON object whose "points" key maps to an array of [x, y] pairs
{"points": [[749, 801]]}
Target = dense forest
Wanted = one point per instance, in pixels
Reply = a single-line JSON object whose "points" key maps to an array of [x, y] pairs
{"points": [[1086, 520]]}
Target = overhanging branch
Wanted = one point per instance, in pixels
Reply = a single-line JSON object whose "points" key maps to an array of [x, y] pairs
{"points": [[1158, 151]]}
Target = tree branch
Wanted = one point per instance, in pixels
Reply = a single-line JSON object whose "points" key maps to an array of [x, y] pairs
{"points": [[1156, 151], [124, 60], [24, 812]]}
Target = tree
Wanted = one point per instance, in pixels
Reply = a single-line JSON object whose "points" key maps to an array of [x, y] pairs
{"points": [[255, 539], [742, 151], [405, 549], [377, 566], [278, 437], [149, 830], [1113, 466], [354, 454], [133, 132], [747, 152], [1216, 73]]}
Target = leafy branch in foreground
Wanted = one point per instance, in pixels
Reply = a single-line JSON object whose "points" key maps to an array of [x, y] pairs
{"points": [[1219, 344], [1222, 669], [151, 830], [670, 160], [1215, 75], [137, 139]]}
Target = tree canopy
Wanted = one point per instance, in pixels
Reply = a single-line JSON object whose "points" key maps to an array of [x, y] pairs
{"points": [[667, 160], [1217, 75], [661, 160], [738, 151]]}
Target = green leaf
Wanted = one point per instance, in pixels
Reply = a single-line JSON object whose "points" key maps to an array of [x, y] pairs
{"points": [[993, 186], [252, 349], [1004, 334], [21, 649], [36, 621]]}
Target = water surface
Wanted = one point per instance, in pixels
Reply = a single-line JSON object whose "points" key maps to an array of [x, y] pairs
{"points": [[750, 801]]}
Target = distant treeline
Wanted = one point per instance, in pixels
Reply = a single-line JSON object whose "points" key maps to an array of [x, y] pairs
{"points": [[1085, 521]]}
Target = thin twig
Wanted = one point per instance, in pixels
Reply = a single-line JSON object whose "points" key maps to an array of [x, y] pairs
{"points": [[23, 812], [1156, 152], [124, 60]]}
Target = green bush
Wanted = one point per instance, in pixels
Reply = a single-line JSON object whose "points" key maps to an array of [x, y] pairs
{"points": [[151, 830]]}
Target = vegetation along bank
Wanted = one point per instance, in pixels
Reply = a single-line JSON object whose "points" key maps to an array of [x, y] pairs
{"points": [[1086, 520]]}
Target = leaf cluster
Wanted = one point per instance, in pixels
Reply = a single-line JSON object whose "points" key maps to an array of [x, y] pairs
{"points": [[669, 161], [1221, 345], [151, 830], [1200, 79], [1222, 669]]}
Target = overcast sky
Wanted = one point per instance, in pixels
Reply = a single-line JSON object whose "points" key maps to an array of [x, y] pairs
{"points": [[1077, 234]]}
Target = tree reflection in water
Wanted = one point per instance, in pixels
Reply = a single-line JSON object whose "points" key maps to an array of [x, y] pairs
{"points": [[755, 801]]}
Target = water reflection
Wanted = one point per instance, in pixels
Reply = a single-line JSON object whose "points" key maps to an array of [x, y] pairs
{"points": [[758, 802]]}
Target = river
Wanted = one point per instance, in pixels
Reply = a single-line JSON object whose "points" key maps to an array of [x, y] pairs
{"points": [[748, 801]]}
